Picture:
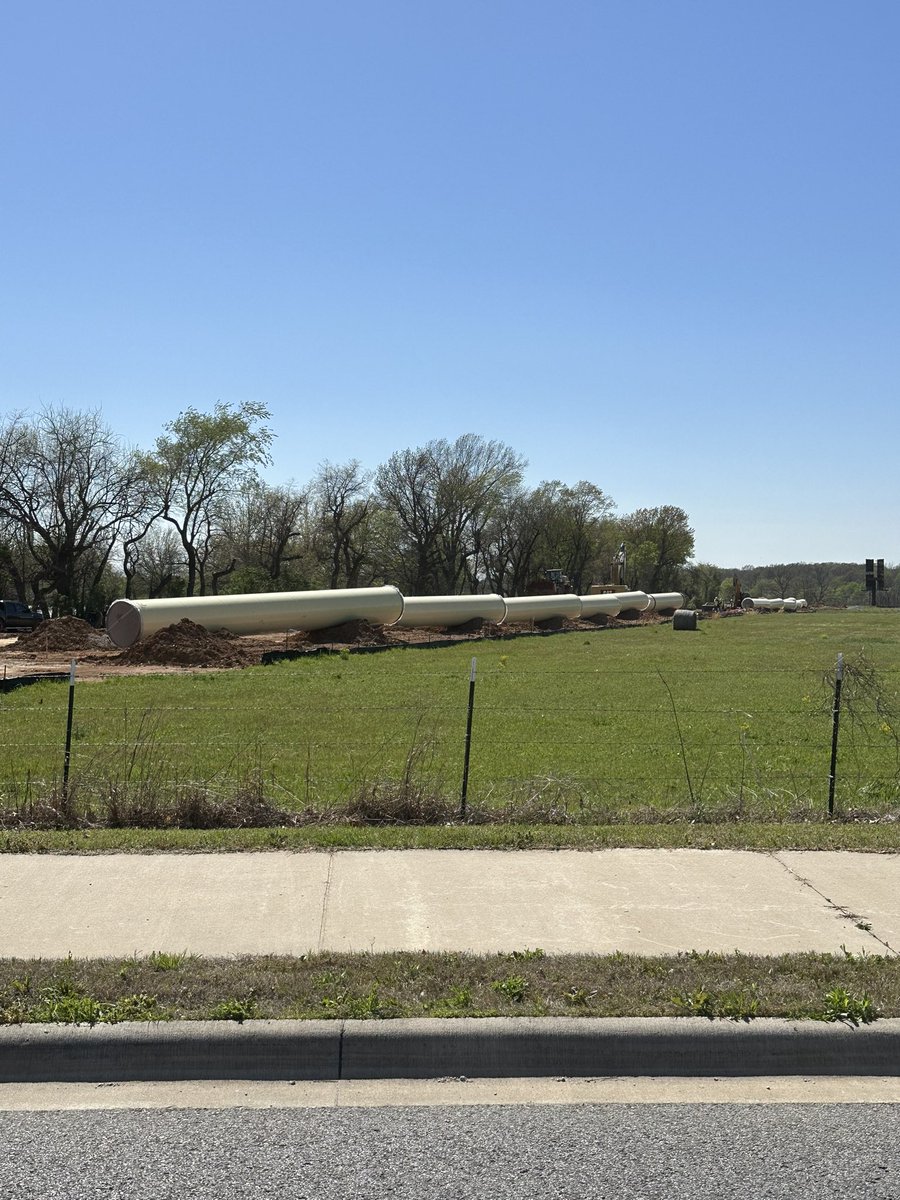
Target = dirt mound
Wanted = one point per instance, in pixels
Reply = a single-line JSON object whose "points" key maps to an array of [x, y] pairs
{"points": [[350, 633], [64, 633], [475, 625], [187, 644]]}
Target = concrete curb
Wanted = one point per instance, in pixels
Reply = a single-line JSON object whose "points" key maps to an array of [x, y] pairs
{"points": [[494, 1047]]}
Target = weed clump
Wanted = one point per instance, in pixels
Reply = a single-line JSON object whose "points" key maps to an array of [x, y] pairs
{"points": [[398, 804], [154, 804]]}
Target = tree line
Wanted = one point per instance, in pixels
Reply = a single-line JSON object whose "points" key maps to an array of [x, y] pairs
{"points": [[832, 584], [85, 519]]}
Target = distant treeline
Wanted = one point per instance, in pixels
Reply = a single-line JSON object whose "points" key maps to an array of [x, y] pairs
{"points": [[828, 583]]}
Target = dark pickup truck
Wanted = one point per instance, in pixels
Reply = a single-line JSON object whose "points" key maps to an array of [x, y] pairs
{"points": [[17, 616]]}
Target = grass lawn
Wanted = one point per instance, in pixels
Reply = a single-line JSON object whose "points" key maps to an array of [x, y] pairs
{"points": [[624, 725]]}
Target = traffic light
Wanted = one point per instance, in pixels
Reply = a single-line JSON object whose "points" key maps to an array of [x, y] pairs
{"points": [[879, 573], [870, 574]]}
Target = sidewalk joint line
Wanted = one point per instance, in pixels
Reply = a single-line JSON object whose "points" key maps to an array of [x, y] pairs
{"points": [[325, 896], [840, 909]]}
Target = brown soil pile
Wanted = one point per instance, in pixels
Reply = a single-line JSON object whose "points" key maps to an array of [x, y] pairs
{"points": [[187, 644], [64, 633], [350, 633]]}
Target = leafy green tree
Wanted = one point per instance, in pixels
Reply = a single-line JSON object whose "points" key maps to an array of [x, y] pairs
{"points": [[705, 584], [660, 541], [197, 464]]}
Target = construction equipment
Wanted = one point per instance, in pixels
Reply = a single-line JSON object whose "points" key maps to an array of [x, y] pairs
{"points": [[617, 569]]}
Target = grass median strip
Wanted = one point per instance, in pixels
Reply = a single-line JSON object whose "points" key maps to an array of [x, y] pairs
{"points": [[169, 985], [806, 835]]}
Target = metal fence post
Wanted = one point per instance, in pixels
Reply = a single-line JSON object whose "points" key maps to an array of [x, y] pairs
{"points": [[68, 754], [465, 779], [835, 724]]}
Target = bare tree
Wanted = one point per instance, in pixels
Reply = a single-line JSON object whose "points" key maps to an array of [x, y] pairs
{"points": [[442, 496], [153, 563], [577, 532], [407, 488], [477, 476], [513, 538], [265, 529], [784, 575], [68, 485], [816, 582], [343, 512], [19, 573]]}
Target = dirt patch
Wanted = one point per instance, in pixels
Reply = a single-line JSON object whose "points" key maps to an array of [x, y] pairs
{"points": [[349, 633], [21, 657], [189, 645], [475, 625], [65, 633]]}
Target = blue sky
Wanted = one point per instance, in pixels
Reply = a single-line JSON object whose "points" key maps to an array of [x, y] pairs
{"points": [[652, 244]]}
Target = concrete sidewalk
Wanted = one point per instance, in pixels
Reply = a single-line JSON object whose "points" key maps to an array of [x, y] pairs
{"points": [[639, 901]]}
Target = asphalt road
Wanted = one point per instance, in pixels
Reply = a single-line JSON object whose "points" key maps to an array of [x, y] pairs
{"points": [[582, 1152]]}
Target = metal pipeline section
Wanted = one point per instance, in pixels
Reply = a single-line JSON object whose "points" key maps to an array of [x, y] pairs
{"points": [[761, 604], [428, 612], [541, 608], [633, 602], [128, 621], [665, 602], [604, 603]]}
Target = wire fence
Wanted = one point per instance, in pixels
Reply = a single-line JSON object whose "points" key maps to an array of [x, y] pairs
{"points": [[585, 742]]}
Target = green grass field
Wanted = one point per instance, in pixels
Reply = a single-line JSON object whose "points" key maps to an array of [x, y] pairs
{"points": [[628, 724]]}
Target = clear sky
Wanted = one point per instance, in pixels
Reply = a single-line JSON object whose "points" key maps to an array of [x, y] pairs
{"points": [[650, 243]]}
